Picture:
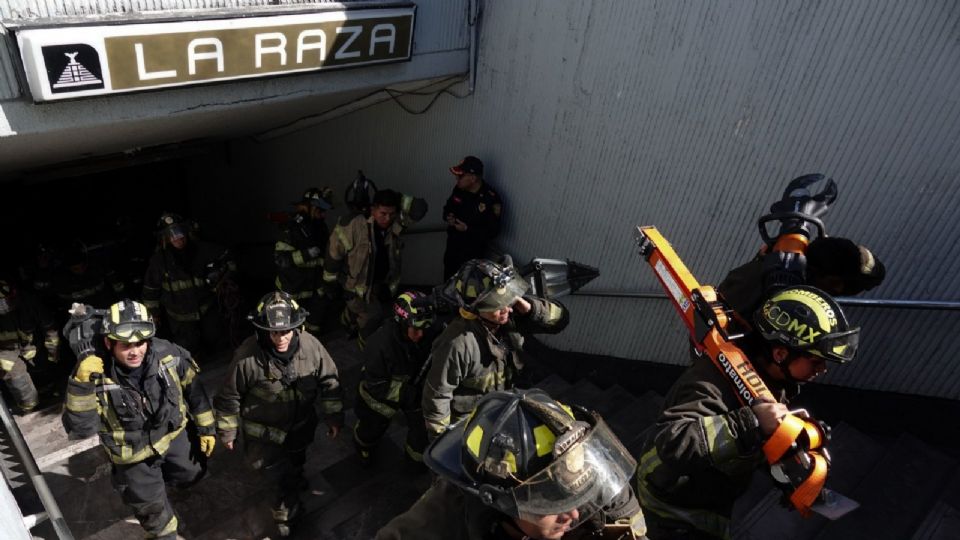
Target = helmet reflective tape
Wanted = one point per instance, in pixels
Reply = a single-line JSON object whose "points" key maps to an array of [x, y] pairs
{"points": [[278, 311], [543, 438], [406, 312], [473, 440], [784, 321]]}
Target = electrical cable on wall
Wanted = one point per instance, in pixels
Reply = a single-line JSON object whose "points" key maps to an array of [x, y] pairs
{"points": [[393, 94]]}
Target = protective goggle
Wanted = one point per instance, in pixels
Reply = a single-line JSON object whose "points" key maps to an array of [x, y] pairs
{"points": [[586, 478], [840, 346], [132, 332]]}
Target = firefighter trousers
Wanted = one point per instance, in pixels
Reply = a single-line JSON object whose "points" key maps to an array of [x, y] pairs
{"points": [[371, 426], [142, 486], [18, 383]]}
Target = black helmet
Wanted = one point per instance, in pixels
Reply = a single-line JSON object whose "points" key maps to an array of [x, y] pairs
{"points": [[527, 455], [407, 313], [172, 226], [321, 198], [483, 285], [129, 322], [360, 193], [808, 319], [278, 311]]}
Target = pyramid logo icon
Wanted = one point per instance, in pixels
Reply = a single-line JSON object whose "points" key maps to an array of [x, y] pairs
{"points": [[75, 74], [72, 68]]}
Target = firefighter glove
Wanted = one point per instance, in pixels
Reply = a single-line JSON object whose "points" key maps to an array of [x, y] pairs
{"points": [[207, 442], [89, 366]]}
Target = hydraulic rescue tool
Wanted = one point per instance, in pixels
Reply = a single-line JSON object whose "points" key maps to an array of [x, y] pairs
{"points": [[796, 451]]}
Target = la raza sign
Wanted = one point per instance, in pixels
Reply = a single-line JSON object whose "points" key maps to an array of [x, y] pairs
{"points": [[70, 62]]}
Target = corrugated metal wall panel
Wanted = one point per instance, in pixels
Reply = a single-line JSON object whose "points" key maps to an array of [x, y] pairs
{"points": [[9, 88], [596, 116]]}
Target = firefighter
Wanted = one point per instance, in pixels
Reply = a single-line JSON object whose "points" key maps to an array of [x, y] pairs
{"points": [[479, 352], [277, 380], [181, 282], [364, 258], [391, 381], [139, 392], [82, 281], [298, 254], [835, 265], [472, 213], [23, 320], [525, 466], [705, 445]]}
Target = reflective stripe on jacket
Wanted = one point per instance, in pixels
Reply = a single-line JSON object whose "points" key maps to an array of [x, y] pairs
{"points": [[135, 425], [256, 398]]}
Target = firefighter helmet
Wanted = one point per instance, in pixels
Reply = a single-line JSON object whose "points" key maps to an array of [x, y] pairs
{"points": [[172, 226], [278, 311], [359, 194], [321, 198], [528, 455], [806, 318], [483, 285], [407, 313], [129, 322]]}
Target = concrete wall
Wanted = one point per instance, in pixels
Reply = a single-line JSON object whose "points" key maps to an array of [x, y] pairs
{"points": [[596, 116]]}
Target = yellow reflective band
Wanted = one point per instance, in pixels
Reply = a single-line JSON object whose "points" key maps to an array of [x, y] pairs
{"points": [[544, 439], [329, 276], [168, 529], [283, 246], [414, 455], [511, 461], [6, 365], [473, 440], [29, 354], [342, 236], [228, 422], [380, 408], [204, 419], [81, 403], [554, 312]]}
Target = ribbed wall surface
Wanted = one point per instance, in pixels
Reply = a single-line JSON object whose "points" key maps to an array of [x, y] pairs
{"points": [[597, 116], [9, 88]]}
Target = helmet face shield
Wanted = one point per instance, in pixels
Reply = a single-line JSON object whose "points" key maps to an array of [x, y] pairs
{"points": [[175, 231], [586, 478]]}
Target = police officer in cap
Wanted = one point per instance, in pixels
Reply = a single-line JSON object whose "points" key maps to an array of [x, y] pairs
{"points": [[472, 213]]}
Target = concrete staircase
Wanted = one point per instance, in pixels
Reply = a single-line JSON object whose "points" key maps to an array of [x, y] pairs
{"points": [[907, 489]]}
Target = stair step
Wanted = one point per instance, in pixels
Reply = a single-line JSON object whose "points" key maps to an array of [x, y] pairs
{"points": [[853, 456], [554, 385], [583, 393], [896, 495], [943, 520]]}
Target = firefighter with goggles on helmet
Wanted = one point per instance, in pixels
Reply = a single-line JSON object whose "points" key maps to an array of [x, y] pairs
{"points": [[392, 377], [281, 380], [138, 392], [479, 351], [705, 446], [524, 466]]}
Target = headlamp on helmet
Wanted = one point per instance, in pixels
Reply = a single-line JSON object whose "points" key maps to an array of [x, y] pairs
{"points": [[129, 322], [484, 286], [808, 319]]}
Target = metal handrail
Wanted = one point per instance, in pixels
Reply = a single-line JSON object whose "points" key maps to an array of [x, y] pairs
{"points": [[936, 305], [50, 506]]}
